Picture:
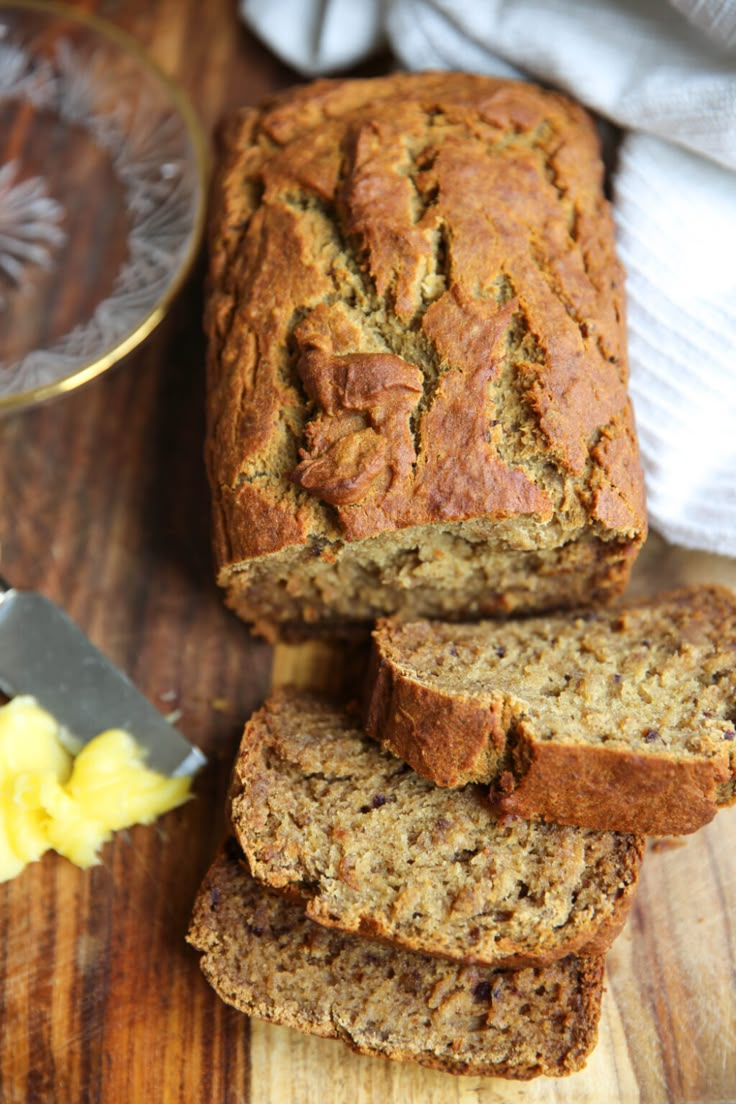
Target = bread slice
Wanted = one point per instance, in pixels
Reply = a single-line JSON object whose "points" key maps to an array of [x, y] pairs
{"points": [[611, 719], [262, 955], [373, 849]]}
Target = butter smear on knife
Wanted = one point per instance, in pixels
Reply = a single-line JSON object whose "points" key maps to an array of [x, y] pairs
{"points": [[52, 799]]}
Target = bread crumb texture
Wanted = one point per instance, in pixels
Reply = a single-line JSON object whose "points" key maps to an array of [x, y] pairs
{"points": [[417, 383]]}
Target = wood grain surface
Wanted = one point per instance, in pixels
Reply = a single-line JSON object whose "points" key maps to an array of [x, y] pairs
{"points": [[104, 508]]}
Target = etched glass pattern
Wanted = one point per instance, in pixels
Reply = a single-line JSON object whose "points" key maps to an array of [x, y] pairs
{"points": [[88, 86]]}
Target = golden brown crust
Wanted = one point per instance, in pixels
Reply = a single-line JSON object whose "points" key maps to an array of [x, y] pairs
{"points": [[405, 272], [408, 718], [617, 488], [662, 797], [473, 734]]}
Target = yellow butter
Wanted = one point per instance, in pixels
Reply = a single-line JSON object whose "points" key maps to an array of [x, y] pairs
{"points": [[73, 804]]}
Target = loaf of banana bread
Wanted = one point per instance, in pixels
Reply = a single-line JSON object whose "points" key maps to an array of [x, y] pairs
{"points": [[417, 375]]}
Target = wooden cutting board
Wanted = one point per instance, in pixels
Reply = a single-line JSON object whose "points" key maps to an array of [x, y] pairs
{"points": [[103, 507]]}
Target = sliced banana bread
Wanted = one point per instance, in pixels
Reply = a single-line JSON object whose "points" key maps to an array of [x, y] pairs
{"points": [[322, 813], [611, 719], [262, 955]]}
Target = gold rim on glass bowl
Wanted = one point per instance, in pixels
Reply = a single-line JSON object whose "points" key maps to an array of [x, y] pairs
{"points": [[180, 129]]}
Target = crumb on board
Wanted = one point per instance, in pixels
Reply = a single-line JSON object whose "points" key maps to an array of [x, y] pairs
{"points": [[666, 843]]}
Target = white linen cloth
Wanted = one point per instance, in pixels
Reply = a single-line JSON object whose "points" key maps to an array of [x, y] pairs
{"points": [[664, 71]]}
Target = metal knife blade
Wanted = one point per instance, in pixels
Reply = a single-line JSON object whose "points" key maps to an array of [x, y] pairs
{"points": [[45, 654]]}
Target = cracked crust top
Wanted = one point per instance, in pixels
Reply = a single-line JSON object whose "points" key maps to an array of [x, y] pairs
{"points": [[405, 271]]}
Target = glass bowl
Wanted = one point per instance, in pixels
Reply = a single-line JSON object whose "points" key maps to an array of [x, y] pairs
{"points": [[103, 171]]}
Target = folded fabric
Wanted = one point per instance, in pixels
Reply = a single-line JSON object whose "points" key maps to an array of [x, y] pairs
{"points": [[676, 218], [666, 74]]}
